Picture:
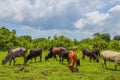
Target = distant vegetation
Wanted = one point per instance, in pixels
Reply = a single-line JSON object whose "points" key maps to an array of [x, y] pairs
{"points": [[9, 40]]}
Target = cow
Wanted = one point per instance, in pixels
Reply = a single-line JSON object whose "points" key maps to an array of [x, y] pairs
{"points": [[111, 56], [33, 54], [91, 54], [73, 60], [13, 53], [60, 51]]}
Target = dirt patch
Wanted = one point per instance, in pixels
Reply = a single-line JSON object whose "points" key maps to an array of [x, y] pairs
{"points": [[46, 73]]}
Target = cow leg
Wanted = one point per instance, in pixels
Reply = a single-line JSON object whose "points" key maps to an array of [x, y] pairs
{"points": [[76, 65], [40, 58], [90, 59], [10, 62], [68, 60], [71, 68], [14, 60], [104, 63], [83, 56], [35, 59], [55, 57], [116, 65], [62, 59]]}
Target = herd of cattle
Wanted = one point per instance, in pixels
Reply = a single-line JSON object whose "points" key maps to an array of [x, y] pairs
{"points": [[63, 53]]}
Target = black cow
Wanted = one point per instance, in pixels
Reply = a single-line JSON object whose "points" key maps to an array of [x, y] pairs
{"points": [[91, 54], [97, 52], [33, 54]]}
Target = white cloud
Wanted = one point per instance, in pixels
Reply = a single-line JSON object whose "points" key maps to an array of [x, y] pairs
{"points": [[24, 10], [80, 23], [48, 16], [115, 9], [108, 22], [96, 17], [92, 18], [114, 12]]}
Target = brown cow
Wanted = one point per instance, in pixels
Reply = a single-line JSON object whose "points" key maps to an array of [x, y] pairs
{"points": [[73, 60], [60, 51]]}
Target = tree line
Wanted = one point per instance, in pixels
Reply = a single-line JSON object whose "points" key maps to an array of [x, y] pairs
{"points": [[9, 40]]}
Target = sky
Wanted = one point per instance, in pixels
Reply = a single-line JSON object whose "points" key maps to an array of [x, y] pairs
{"points": [[75, 19]]}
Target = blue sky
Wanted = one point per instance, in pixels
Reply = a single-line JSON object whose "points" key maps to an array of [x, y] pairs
{"points": [[72, 18]]}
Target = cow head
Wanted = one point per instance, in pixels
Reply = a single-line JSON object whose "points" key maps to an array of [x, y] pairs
{"points": [[4, 61], [49, 55]]}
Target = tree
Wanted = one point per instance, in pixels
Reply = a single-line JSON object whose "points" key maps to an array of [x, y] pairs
{"points": [[63, 41], [76, 42], [55, 37], [100, 44], [9, 40], [104, 36], [97, 35], [114, 45], [86, 43], [23, 41], [117, 38]]}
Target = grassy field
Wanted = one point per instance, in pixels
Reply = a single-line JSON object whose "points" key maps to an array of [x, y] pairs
{"points": [[53, 70]]}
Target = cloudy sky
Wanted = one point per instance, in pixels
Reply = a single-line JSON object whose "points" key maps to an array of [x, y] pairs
{"points": [[72, 18]]}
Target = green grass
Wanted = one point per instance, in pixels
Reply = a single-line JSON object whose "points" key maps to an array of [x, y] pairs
{"points": [[53, 70]]}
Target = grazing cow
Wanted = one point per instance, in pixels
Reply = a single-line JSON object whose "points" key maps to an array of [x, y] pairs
{"points": [[73, 60], [90, 54], [60, 51], [97, 52], [33, 54], [64, 55], [12, 54], [111, 56]]}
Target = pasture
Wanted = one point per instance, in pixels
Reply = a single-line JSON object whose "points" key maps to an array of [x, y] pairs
{"points": [[54, 70]]}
